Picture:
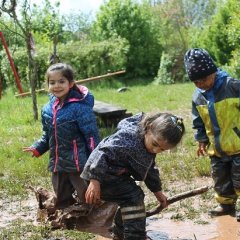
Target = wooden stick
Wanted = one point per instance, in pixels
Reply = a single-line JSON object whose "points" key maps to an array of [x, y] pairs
{"points": [[99, 77], [26, 94], [178, 197], [86, 80]]}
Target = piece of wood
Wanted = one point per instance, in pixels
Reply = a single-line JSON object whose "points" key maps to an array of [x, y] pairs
{"points": [[107, 109], [178, 197], [78, 82], [109, 115], [26, 94], [91, 79]]}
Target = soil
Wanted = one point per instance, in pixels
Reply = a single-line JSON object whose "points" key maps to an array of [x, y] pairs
{"points": [[175, 222]]}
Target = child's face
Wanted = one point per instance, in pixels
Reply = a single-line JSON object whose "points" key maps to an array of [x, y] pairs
{"points": [[155, 145], [205, 83], [58, 85]]}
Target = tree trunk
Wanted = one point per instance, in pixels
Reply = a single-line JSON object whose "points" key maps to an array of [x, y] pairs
{"points": [[32, 78]]}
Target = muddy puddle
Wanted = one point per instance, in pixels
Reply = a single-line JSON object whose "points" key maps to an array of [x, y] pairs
{"points": [[159, 227], [221, 228]]}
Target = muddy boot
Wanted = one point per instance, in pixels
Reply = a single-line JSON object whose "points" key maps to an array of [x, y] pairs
{"points": [[222, 209]]}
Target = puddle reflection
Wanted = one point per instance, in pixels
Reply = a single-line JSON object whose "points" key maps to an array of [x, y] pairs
{"points": [[220, 228]]}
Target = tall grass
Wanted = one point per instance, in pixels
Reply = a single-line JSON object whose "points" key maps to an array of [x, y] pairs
{"points": [[18, 170]]}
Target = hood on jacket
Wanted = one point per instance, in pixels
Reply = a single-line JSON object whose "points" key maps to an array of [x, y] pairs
{"points": [[75, 95]]}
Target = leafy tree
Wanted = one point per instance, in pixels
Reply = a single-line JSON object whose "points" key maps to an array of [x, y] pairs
{"points": [[133, 22], [215, 35], [164, 75], [48, 22], [77, 26], [9, 7]]}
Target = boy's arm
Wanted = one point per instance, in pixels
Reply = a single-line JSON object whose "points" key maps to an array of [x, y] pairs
{"points": [[198, 124]]}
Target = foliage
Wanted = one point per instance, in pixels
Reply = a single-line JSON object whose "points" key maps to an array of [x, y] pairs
{"points": [[164, 75], [87, 59], [215, 35], [133, 22], [77, 26]]}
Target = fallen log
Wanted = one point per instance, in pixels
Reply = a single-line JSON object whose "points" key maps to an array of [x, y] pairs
{"points": [[178, 197]]}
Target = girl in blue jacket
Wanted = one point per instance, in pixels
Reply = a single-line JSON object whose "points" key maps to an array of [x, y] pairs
{"points": [[126, 156], [70, 133]]}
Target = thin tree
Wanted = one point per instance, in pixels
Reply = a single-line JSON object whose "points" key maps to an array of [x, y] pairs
{"points": [[9, 7]]}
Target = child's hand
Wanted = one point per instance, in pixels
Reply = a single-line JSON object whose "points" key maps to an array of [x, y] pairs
{"points": [[93, 192], [28, 149], [202, 149], [34, 152], [161, 198]]}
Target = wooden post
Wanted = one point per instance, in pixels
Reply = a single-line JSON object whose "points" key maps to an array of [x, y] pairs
{"points": [[18, 82]]}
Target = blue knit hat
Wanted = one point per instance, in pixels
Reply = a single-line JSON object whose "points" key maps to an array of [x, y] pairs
{"points": [[198, 64]]}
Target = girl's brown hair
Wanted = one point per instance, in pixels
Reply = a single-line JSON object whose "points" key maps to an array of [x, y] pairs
{"points": [[164, 126]]}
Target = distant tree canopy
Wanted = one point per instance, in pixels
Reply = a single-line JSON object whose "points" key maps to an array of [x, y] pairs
{"points": [[132, 22], [150, 37]]}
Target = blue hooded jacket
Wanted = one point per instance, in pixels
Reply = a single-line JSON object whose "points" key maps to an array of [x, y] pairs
{"points": [[70, 131]]}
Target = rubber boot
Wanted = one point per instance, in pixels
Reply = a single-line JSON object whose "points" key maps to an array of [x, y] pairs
{"points": [[222, 209]]}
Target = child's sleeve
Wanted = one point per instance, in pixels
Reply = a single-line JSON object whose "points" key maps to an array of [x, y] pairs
{"points": [[198, 124], [153, 181], [42, 145], [96, 166]]}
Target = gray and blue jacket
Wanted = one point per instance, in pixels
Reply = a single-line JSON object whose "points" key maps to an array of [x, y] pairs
{"points": [[70, 131], [123, 154]]}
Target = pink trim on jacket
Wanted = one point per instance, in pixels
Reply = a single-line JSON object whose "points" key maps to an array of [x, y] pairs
{"points": [[92, 145], [55, 109], [75, 149]]}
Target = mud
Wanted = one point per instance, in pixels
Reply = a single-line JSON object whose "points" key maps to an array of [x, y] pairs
{"points": [[220, 228], [159, 227]]}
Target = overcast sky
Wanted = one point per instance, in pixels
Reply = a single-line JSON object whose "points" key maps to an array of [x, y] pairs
{"points": [[85, 6]]}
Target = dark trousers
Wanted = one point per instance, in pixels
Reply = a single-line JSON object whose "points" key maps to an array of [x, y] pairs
{"points": [[226, 176], [64, 185], [130, 218]]}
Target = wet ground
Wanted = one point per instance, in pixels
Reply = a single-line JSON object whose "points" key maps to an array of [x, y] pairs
{"points": [[159, 227], [220, 228]]}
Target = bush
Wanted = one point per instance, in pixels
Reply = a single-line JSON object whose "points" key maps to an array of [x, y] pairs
{"points": [[87, 59]]}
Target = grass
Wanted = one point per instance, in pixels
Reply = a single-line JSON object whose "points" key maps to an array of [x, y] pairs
{"points": [[18, 170]]}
